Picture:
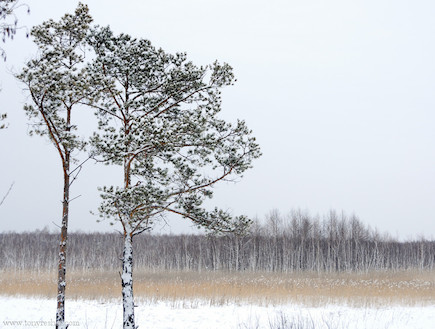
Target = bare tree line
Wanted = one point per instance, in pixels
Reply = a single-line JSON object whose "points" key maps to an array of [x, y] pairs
{"points": [[298, 242]]}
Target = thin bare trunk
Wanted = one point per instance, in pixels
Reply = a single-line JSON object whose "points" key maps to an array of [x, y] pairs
{"points": [[61, 278], [61, 283]]}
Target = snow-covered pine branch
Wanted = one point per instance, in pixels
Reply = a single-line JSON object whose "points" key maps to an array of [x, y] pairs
{"points": [[158, 119]]}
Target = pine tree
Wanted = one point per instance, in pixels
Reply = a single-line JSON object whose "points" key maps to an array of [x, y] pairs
{"points": [[57, 82], [8, 29], [158, 119], [9, 21]]}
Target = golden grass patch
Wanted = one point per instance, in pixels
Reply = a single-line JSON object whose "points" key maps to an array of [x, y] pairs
{"points": [[216, 288]]}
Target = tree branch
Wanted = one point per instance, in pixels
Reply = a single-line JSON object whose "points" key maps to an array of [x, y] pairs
{"points": [[48, 123], [194, 188], [180, 101], [7, 193]]}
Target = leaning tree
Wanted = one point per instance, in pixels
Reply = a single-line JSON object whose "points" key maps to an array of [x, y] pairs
{"points": [[158, 120], [57, 82]]}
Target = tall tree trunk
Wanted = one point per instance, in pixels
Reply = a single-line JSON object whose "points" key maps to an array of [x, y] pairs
{"points": [[127, 257], [61, 283], [127, 280]]}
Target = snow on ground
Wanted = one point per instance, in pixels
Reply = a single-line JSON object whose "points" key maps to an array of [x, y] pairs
{"points": [[21, 312]]}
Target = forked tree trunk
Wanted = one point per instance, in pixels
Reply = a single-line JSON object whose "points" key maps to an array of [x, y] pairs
{"points": [[127, 281], [61, 282]]}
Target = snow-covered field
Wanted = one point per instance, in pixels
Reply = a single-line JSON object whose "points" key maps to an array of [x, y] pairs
{"points": [[21, 312]]}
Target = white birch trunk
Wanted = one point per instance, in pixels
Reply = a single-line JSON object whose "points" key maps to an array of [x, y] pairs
{"points": [[127, 282]]}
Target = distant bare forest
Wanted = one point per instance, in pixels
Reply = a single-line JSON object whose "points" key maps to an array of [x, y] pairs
{"points": [[297, 243]]}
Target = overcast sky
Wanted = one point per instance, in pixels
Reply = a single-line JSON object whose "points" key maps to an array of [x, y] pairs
{"points": [[340, 95]]}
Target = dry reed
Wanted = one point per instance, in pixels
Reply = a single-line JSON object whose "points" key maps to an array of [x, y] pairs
{"points": [[217, 288]]}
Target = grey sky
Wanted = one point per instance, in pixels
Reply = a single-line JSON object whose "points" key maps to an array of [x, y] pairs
{"points": [[340, 95]]}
